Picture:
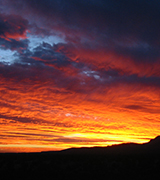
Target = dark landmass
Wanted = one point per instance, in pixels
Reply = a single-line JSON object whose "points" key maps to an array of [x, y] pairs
{"points": [[153, 146], [129, 161]]}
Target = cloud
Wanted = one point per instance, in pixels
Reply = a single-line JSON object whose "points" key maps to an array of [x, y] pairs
{"points": [[13, 27], [143, 109], [110, 34], [13, 37], [120, 19], [19, 119], [45, 53], [13, 44]]}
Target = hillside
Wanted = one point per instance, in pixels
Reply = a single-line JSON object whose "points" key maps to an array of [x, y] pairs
{"points": [[131, 161]]}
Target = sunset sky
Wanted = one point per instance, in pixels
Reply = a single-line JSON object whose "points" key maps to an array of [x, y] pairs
{"points": [[78, 73]]}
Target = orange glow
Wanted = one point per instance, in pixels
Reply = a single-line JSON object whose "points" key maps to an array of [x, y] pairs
{"points": [[36, 117]]}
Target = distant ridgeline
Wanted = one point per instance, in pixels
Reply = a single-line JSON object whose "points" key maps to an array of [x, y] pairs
{"points": [[153, 146], [125, 161]]}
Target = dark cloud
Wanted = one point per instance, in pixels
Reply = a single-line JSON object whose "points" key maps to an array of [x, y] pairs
{"points": [[80, 140], [135, 107], [13, 44], [141, 53], [152, 81], [12, 27], [98, 24], [16, 119], [120, 18], [45, 53], [153, 110]]}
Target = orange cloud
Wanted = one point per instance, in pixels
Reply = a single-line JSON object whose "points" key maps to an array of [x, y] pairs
{"points": [[37, 114]]}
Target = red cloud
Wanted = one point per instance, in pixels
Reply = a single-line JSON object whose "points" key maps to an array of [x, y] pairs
{"points": [[13, 27]]}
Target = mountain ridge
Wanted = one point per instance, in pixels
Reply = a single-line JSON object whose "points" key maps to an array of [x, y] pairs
{"points": [[125, 161], [153, 146]]}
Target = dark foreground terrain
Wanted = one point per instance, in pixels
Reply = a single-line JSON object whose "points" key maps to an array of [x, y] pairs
{"points": [[127, 161]]}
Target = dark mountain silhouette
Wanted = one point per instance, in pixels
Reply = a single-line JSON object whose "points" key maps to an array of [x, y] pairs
{"points": [[153, 146], [155, 142], [127, 161]]}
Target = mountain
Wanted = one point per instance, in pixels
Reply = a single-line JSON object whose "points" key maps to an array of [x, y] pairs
{"points": [[124, 161], [155, 142], [153, 146]]}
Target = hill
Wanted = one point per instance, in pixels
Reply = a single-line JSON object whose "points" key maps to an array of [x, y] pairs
{"points": [[127, 161], [153, 146]]}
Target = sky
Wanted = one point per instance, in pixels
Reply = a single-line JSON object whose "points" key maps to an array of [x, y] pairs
{"points": [[78, 73]]}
